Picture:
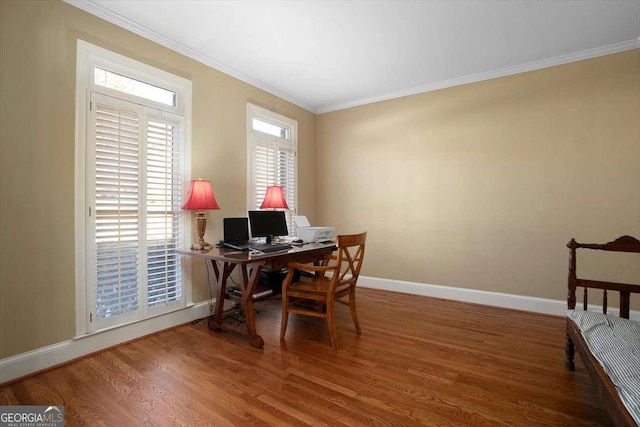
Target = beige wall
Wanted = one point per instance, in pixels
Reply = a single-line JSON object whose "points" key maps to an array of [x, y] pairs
{"points": [[37, 81], [478, 186], [481, 186]]}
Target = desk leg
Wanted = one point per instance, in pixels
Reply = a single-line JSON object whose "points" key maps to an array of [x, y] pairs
{"points": [[218, 273], [249, 284]]}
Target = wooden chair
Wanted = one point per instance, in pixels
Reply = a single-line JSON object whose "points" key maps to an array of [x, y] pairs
{"points": [[333, 280]]}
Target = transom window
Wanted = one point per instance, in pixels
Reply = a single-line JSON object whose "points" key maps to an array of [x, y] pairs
{"points": [[271, 129], [131, 86]]}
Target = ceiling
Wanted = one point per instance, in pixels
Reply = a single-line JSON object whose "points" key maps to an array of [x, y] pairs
{"points": [[330, 55]]}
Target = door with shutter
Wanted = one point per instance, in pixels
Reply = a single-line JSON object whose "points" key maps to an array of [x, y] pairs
{"points": [[134, 187]]}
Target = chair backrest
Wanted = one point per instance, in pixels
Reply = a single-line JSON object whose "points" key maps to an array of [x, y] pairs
{"points": [[350, 256]]}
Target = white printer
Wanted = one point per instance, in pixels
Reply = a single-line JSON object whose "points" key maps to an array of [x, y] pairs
{"points": [[310, 234]]}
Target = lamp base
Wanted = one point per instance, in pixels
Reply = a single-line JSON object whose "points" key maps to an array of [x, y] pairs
{"points": [[204, 246], [202, 225]]}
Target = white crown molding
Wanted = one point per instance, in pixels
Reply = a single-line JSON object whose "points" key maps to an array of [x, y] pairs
{"points": [[103, 13], [494, 74]]}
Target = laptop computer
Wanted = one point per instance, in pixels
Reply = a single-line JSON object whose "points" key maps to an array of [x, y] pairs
{"points": [[236, 233]]}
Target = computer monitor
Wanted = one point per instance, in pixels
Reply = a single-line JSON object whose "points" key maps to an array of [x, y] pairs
{"points": [[268, 224]]}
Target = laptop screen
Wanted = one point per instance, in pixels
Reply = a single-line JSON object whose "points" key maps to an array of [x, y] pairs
{"points": [[236, 229]]}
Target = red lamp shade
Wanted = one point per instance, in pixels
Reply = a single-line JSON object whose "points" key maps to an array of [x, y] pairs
{"points": [[274, 198], [200, 196]]}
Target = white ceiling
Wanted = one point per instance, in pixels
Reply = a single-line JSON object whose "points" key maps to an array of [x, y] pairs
{"points": [[329, 55]]}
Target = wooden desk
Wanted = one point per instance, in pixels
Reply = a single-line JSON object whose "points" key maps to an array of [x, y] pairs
{"points": [[223, 261]]}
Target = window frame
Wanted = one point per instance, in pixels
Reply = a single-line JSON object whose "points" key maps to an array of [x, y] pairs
{"points": [[254, 111], [89, 56]]}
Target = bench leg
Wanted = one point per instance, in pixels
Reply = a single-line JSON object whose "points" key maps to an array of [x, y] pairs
{"points": [[570, 353]]}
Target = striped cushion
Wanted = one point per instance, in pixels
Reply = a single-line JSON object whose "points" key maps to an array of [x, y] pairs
{"points": [[615, 343]]}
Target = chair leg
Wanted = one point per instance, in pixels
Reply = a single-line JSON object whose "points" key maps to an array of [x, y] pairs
{"points": [[352, 308], [285, 315], [331, 323]]}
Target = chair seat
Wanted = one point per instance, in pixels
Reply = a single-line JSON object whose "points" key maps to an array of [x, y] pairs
{"points": [[316, 284]]}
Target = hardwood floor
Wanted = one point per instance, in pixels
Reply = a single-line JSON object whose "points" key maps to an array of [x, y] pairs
{"points": [[419, 361]]}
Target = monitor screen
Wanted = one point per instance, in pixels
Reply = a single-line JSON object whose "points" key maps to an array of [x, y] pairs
{"points": [[268, 224]]}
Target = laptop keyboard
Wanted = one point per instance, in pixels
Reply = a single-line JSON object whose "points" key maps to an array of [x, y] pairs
{"points": [[239, 246], [271, 248]]}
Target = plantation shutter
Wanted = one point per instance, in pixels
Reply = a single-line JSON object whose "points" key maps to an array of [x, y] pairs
{"points": [[135, 187], [116, 207], [275, 164], [164, 196]]}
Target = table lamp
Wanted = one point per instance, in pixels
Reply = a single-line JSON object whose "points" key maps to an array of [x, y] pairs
{"points": [[201, 198], [274, 198]]}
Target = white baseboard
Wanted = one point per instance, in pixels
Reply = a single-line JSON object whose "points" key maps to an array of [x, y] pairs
{"points": [[46, 357], [496, 299], [43, 358]]}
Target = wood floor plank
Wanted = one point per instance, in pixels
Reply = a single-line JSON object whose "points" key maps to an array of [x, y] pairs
{"points": [[419, 361]]}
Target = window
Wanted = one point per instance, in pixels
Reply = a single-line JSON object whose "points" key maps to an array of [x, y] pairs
{"points": [[134, 87], [132, 163], [272, 158], [271, 129]]}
